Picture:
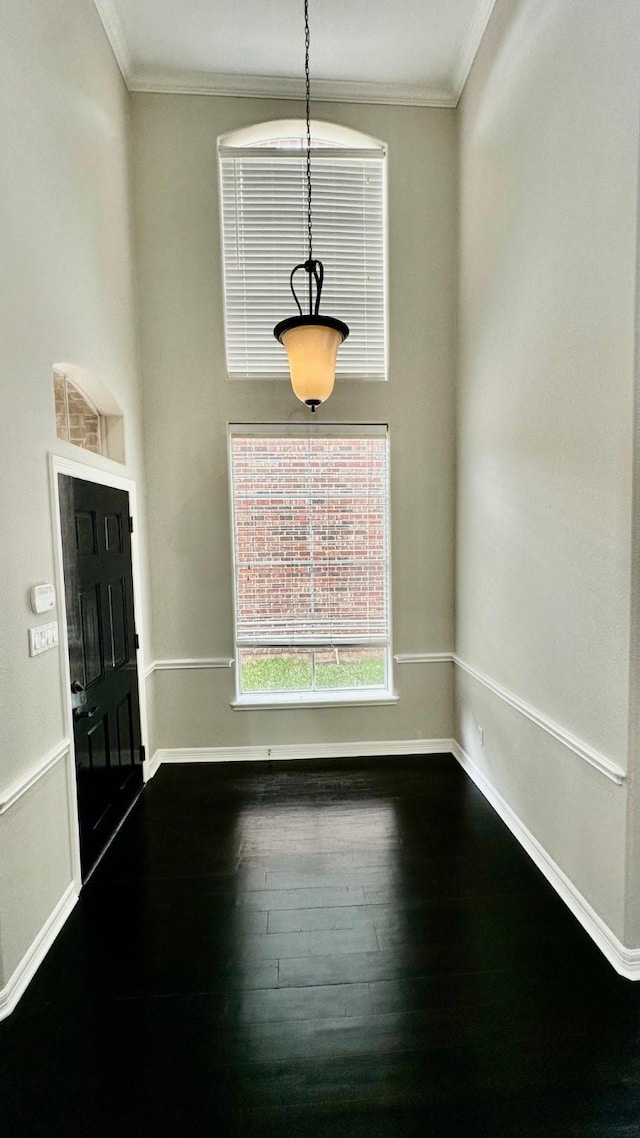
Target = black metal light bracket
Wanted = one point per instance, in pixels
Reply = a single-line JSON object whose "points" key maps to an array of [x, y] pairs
{"points": [[315, 269]]}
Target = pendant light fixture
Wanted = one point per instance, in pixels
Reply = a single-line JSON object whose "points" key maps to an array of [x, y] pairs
{"points": [[312, 341]]}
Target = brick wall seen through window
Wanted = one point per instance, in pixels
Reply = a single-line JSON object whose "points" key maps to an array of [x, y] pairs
{"points": [[311, 562], [77, 421]]}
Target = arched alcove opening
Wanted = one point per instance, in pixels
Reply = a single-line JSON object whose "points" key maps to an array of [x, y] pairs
{"points": [[87, 414]]}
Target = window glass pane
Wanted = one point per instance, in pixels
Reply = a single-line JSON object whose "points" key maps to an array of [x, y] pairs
{"points": [[77, 421], [62, 415], [276, 669], [350, 667], [84, 421], [264, 223], [310, 529]]}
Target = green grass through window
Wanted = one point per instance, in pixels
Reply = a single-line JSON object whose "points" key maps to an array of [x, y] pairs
{"points": [[295, 673]]}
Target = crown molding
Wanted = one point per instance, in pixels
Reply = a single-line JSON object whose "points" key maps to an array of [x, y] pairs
{"points": [[470, 46], [159, 81], [108, 13]]}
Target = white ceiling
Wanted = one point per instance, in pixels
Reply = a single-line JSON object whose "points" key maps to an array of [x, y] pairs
{"points": [[413, 51]]}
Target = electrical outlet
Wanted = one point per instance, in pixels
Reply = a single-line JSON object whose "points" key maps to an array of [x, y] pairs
{"points": [[268, 752], [481, 735]]}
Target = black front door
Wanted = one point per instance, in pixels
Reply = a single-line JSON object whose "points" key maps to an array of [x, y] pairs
{"points": [[96, 545]]}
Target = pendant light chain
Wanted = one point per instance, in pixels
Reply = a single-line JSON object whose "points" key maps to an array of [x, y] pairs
{"points": [[311, 341], [308, 90]]}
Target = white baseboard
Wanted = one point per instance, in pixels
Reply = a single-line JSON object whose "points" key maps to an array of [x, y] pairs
{"points": [[151, 767], [283, 751], [36, 953], [626, 961]]}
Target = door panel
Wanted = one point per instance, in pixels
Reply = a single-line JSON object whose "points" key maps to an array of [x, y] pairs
{"points": [[124, 719], [113, 533], [96, 545], [91, 636], [97, 745], [86, 532], [117, 595]]}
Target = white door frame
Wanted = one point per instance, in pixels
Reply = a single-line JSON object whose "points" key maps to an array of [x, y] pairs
{"points": [[58, 465]]}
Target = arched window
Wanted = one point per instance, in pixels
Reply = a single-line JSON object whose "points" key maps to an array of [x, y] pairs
{"points": [[264, 228], [87, 414], [77, 420]]}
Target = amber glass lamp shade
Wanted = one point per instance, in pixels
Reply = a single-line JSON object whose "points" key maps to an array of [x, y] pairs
{"points": [[311, 344]]}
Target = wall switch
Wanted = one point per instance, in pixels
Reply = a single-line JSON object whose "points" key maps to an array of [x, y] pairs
{"points": [[481, 736], [43, 637]]}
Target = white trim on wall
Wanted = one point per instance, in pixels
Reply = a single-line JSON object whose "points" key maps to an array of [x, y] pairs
{"points": [[108, 12], [626, 961], [295, 701], [595, 759], [158, 80], [471, 45], [277, 752], [194, 662], [35, 954], [15, 791], [424, 658], [185, 82], [154, 765]]}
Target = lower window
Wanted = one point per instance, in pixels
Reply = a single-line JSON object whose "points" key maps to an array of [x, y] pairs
{"points": [[311, 563]]}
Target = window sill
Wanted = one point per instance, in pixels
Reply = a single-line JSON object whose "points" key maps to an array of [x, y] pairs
{"points": [[275, 701]]}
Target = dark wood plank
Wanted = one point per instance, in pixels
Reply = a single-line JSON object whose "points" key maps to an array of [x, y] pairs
{"points": [[357, 950]]}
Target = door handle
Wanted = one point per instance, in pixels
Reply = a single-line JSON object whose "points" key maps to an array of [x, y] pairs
{"points": [[78, 698], [85, 713]]}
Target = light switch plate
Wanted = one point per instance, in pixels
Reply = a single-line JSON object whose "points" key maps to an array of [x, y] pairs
{"points": [[42, 638]]}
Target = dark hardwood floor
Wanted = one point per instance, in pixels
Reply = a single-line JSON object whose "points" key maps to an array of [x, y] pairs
{"points": [[357, 949]]}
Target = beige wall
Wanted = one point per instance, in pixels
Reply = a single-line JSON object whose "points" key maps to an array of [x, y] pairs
{"points": [[548, 217], [189, 402], [66, 297], [548, 227]]}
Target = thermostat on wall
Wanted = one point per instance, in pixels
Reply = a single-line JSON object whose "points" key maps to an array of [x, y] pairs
{"points": [[43, 598]]}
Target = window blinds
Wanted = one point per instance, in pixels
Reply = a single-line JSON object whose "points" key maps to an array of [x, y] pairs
{"points": [[311, 526], [264, 224]]}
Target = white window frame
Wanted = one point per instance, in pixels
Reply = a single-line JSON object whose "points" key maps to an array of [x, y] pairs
{"points": [[331, 138], [338, 697]]}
